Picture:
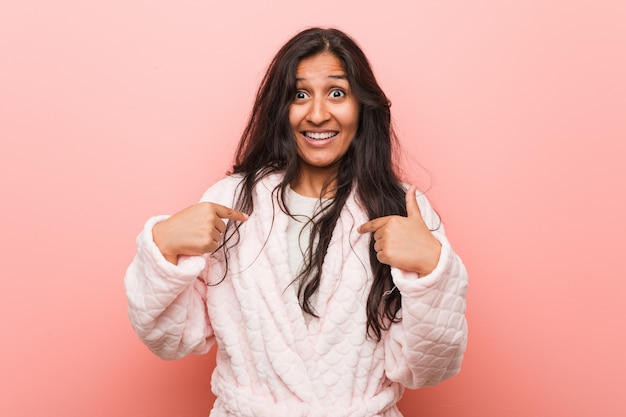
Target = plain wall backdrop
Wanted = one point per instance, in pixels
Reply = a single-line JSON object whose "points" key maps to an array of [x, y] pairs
{"points": [[512, 114]]}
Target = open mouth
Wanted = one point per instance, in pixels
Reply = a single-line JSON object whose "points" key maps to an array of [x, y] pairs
{"points": [[320, 135]]}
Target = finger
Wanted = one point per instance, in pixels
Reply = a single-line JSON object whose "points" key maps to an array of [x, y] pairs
{"points": [[216, 236], [412, 208], [220, 226], [372, 225], [227, 213]]}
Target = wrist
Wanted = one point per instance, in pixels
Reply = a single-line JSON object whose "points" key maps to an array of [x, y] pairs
{"points": [[159, 242], [434, 253]]}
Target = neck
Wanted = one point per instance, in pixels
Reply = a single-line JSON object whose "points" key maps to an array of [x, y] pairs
{"points": [[317, 183]]}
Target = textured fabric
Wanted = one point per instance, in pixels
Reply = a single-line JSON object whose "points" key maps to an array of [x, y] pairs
{"points": [[269, 363]]}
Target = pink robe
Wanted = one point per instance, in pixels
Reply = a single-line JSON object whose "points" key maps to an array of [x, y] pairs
{"points": [[269, 363]]}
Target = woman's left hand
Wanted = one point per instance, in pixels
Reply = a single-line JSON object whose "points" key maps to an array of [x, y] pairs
{"points": [[405, 242]]}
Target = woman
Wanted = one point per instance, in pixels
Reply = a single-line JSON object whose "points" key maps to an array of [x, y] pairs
{"points": [[326, 284]]}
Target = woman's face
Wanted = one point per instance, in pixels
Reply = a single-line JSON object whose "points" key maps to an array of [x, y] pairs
{"points": [[324, 114]]}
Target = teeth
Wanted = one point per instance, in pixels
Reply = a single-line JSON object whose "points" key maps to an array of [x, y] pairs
{"points": [[319, 136]]}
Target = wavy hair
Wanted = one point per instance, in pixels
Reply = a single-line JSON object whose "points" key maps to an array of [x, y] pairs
{"points": [[369, 167]]}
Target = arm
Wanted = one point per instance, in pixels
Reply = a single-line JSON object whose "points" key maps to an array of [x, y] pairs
{"points": [[166, 282], [167, 302], [427, 345]]}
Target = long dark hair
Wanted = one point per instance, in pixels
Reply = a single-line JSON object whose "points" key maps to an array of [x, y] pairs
{"points": [[268, 145]]}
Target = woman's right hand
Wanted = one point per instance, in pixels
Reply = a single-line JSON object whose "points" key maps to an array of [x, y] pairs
{"points": [[195, 230]]}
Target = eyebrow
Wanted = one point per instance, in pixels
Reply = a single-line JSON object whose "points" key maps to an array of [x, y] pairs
{"points": [[333, 76]]}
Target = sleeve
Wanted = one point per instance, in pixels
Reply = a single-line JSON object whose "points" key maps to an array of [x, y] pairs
{"points": [[427, 345], [166, 302]]}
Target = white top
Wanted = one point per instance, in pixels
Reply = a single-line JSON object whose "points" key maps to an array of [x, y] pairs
{"points": [[299, 233], [299, 228]]}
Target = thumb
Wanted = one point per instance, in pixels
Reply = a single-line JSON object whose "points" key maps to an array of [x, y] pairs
{"points": [[228, 213], [412, 209]]}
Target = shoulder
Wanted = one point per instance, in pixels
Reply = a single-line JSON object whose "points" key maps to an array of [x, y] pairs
{"points": [[223, 191], [226, 190]]}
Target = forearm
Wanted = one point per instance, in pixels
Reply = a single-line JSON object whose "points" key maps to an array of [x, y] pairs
{"points": [[167, 303], [427, 345]]}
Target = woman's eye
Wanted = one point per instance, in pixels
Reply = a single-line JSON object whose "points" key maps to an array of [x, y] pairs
{"points": [[337, 93], [300, 95]]}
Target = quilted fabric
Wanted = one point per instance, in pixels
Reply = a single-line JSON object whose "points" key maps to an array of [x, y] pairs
{"points": [[269, 363]]}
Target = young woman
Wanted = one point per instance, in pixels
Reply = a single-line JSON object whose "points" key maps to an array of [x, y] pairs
{"points": [[327, 285]]}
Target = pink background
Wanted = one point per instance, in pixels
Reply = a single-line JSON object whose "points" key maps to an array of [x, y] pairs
{"points": [[112, 111]]}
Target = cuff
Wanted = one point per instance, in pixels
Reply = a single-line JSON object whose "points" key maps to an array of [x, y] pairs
{"points": [[410, 284], [188, 268]]}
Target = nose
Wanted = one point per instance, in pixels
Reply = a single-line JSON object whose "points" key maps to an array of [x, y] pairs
{"points": [[318, 111]]}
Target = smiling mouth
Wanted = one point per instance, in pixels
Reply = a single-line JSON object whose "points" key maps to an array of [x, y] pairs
{"points": [[319, 135]]}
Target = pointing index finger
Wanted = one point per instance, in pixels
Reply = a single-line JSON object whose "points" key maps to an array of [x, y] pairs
{"points": [[372, 225], [228, 213]]}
